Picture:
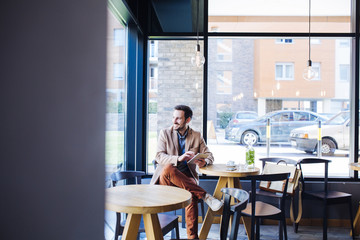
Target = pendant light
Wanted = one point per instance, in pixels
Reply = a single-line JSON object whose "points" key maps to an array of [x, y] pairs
{"points": [[309, 72], [197, 59]]}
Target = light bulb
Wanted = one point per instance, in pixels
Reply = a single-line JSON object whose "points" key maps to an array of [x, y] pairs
{"points": [[309, 73], [197, 59]]}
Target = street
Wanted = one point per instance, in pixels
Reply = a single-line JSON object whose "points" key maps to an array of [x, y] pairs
{"points": [[225, 151]]}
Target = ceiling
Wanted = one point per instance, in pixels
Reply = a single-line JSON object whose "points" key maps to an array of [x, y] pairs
{"points": [[177, 15]]}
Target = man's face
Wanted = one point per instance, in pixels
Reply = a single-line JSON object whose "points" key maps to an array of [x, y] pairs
{"points": [[179, 121]]}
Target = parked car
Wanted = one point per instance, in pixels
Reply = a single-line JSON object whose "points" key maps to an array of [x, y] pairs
{"points": [[238, 118], [282, 122], [334, 135]]}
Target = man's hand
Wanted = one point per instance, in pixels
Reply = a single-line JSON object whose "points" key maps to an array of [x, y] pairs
{"points": [[186, 156], [200, 162]]}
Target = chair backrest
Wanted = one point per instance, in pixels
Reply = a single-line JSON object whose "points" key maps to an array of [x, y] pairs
{"points": [[316, 161], [126, 175], [241, 198], [277, 160], [268, 177]]}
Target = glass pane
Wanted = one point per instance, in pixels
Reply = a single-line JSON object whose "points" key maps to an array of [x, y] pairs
{"points": [[177, 82], [115, 93], [293, 107], [279, 16]]}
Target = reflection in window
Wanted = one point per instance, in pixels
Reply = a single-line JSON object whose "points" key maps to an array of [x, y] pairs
{"points": [[284, 71], [224, 82]]}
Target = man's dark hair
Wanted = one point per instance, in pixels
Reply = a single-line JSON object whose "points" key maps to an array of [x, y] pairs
{"points": [[187, 110]]}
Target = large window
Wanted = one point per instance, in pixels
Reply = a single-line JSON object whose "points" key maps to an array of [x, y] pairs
{"points": [[255, 62], [116, 94], [177, 82], [294, 107], [279, 16]]}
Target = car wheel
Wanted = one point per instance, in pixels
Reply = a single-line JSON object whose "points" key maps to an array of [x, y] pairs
{"points": [[328, 147], [249, 137]]}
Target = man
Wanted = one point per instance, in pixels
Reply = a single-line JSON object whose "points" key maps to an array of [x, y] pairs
{"points": [[176, 146]]}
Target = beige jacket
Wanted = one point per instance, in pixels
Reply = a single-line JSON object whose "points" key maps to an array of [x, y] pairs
{"points": [[168, 149]]}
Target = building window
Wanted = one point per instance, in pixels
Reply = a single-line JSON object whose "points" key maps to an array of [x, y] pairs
{"points": [[119, 71], [284, 71], [153, 49], [315, 41], [119, 37], [344, 43], [224, 82], [224, 50], [284, 41], [317, 70], [344, 72], [153, 79]]}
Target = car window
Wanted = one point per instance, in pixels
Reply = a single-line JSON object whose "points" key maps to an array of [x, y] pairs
{"points": [[339, 119], [246, 116], [301, 116], [313, 117], [282, 117]]}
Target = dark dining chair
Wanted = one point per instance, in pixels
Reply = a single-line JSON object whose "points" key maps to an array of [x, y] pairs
{"points": [[257, 210], [326, 196], [241, 198], [200, 201], [279, 160], [168, 222]]}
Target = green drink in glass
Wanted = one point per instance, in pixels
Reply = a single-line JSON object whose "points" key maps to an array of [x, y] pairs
{"points": [[250, 156]]}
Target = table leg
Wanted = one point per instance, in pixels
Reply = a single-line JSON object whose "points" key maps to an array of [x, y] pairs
{"points": [[131, 227], [356, 224], [209, 217], [247, 225], [152, 227]]}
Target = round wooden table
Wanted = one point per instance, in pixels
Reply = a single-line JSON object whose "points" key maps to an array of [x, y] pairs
{"points": [[356, 224], [146, 200], [229, 179]]}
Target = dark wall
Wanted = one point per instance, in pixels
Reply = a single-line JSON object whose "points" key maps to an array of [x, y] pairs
{"points": [[52, 127]]}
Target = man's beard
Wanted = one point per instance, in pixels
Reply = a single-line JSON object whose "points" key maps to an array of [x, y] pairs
{"points": [[179, 127]]}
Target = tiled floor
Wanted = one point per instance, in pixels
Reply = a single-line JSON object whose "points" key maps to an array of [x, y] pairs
{"points": [[266, 232]]}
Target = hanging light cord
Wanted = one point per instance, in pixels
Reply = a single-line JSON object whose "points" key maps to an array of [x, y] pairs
{"points": [[309, 28], [197, 22]]}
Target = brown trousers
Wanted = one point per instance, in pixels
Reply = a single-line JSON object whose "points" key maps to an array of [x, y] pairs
{"points": [[171, 176]]}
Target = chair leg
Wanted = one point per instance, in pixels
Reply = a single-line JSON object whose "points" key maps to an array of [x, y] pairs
{"points": [[351, 219], [202, 210], [281, 229], [183, 218], [177, 235], [258, 228], [252, 234], [296, 227], [325, 222], [284, 227], [117, 226], [235, 226]]}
